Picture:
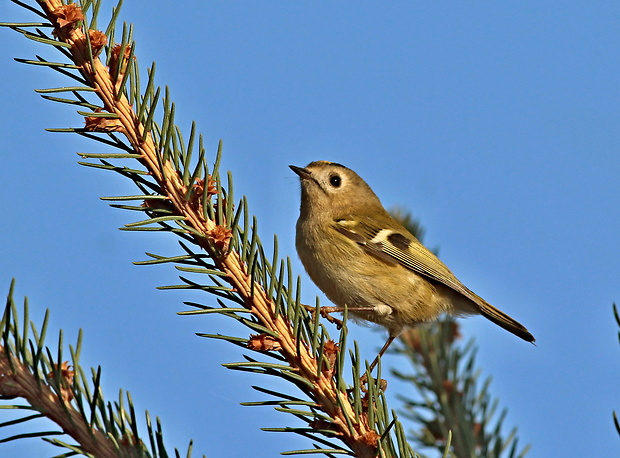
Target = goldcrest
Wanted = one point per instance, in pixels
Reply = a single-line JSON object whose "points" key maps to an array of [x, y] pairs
{"points": [[366, 261]]}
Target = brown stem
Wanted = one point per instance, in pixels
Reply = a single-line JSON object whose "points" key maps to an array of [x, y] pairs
{"points": [[362, 439], [19, 381]]}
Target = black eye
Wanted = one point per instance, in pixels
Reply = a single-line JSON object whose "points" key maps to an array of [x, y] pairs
{"points": [[335, 181]]}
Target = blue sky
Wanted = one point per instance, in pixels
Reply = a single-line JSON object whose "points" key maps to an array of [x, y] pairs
{"points": [[495, 123]]}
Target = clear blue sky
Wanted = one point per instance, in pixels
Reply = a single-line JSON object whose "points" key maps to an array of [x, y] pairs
{"points": [[495, 123]]}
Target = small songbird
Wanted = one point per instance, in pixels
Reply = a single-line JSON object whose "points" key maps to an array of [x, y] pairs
{"points": [[366, 261]]}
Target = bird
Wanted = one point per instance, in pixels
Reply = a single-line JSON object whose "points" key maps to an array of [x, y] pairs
{"points": [[368, 263]]}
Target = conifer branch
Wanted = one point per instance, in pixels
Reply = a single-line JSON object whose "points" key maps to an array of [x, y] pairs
{"points": [[61, 392], [452, 402], [181, 195]]}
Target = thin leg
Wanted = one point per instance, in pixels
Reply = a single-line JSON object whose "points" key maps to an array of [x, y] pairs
{"points": [[383, 350], [334, 309]]}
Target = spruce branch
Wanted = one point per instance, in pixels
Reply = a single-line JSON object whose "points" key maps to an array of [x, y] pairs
{"points": [[63, 393], [221, 248], [452, 400]]}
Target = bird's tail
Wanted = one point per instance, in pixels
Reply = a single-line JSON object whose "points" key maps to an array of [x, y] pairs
{"points": [[501, 319]]}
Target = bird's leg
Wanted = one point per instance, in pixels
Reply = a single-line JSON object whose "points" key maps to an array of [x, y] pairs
{"points": [[382, 351], [325, 312], [363, 378]]}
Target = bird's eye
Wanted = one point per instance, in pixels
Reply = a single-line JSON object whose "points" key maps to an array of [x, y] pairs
{"points": [[335, 181]]}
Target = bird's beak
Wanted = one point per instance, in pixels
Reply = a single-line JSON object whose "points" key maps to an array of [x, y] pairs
{"points": [[303, 173]]}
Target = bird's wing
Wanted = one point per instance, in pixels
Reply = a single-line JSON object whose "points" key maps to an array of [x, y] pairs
{"points": [[398, 246]]}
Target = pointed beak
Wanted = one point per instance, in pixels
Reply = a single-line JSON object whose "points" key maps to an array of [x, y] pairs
{"points": [[303, 173]]}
